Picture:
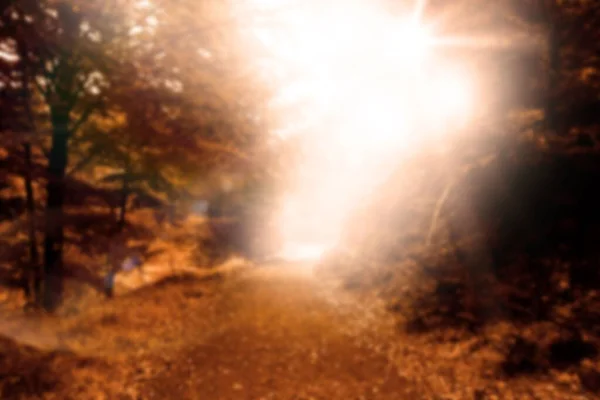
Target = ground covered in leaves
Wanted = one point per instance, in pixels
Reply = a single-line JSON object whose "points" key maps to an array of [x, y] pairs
{"points": [[274, 332], [268, 333]]}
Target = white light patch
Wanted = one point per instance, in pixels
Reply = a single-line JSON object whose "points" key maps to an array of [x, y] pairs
{"points": [[298, 251], [365, 88]]}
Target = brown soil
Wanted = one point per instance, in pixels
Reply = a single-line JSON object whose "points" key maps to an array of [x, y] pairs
{"points": [[269, 333]]}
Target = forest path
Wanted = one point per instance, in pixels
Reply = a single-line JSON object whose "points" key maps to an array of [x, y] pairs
{"points": [[281, 333], [269, 332]]}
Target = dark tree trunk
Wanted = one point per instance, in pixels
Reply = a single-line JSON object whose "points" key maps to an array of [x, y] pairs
{"points": [[32, 282], [123, 206], [33, 278], [54, 230]]}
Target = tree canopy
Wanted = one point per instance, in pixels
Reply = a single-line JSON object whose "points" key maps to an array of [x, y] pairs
{"points": [[152, 96]]}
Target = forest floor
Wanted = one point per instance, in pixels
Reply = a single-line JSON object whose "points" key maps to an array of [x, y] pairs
{"points": [[272, 332]]}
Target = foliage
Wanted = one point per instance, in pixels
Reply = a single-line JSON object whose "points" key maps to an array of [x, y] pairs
{"points": [[148, 97], [499, 228]]}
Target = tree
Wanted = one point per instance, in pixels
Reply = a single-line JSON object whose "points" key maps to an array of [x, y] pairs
{"points": [[119, 90], [17, 84], [66, 64], [568, 32]]}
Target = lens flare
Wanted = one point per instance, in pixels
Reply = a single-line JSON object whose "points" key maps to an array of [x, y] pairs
{"points": [[373, 88]]}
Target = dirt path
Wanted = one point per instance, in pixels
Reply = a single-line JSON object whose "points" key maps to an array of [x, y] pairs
{"points": [[283, 334], [261, 333]]}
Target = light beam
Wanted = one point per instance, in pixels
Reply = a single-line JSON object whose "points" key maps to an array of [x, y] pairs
{"points": [[379, 89]]}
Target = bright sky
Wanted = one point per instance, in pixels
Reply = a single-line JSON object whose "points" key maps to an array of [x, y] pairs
{"points": [[372, 87], [363, 87]]}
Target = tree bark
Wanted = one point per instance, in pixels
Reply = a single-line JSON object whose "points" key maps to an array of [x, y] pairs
{"points": [[33, 275], [123, 206], [54, 230]]}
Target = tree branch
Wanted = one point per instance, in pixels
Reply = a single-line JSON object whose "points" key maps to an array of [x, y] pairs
{"points": [[84, 163], [43, 91], [438, 209], [78, 91], [85, 115]]}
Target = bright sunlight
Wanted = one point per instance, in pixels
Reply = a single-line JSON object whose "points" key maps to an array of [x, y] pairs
{"points": [[371, 87]]}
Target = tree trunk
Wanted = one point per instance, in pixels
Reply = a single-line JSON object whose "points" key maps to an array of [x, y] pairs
{"points": [[54, 230], [32, 282], [33, 278], [123, 205]]}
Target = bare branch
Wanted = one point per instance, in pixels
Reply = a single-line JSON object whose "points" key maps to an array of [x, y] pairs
{"points": [[438, 209], [42, 90], [85, 115], [84, 162]]}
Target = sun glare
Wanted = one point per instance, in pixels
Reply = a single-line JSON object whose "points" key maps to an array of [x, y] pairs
{"points": [[374, 89]]}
